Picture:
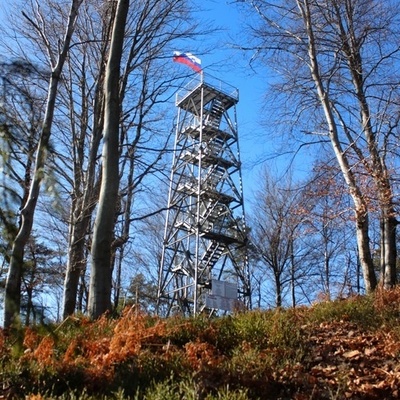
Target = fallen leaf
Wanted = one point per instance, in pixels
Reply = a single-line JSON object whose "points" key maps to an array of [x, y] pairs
{"points": [[352, 354], [370, 351]]}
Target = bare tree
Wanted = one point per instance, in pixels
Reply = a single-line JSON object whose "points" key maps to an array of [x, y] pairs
{"points": [[336, 61], [39, 271], [13, 284], [101, 270], [328, 222], [274, 223], [20, 116]]}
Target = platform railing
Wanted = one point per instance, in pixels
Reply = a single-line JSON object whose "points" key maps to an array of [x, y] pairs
{"points": [[209, 80]]}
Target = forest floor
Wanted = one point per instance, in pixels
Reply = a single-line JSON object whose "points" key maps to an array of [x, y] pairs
{"points": [[348, 349], [347, 361]]}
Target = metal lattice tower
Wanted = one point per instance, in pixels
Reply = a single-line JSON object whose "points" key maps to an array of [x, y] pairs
{"points": [[204, 265]]}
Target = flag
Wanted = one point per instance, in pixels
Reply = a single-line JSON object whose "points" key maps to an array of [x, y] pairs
{"points": [[188, 59]]}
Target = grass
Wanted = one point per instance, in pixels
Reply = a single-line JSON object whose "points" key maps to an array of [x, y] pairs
{"points": [[247, 356]]}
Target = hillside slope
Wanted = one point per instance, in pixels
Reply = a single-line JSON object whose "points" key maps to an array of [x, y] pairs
{"points": [[346, 349]]}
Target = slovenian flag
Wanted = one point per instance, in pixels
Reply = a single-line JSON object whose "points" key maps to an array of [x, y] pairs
{"points": [[188, 59]]}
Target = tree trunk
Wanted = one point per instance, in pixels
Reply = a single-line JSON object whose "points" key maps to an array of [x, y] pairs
{"points": [[364, 251], [76, 264], [101, 270], [278, 293], [374, 164], [327, 274], [388, 250], [361, 210], [13, 283], [80, 223], [292, 274]]}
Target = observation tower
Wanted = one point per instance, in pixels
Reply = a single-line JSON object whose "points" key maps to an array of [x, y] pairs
{"points": [[204, 266]]}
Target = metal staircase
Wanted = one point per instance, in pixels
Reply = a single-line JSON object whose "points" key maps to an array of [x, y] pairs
{"points": [[212, 254], [215, 114], [205, 234]]}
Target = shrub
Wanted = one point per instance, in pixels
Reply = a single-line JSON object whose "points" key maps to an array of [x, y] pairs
{"points": [[357, 309]]}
